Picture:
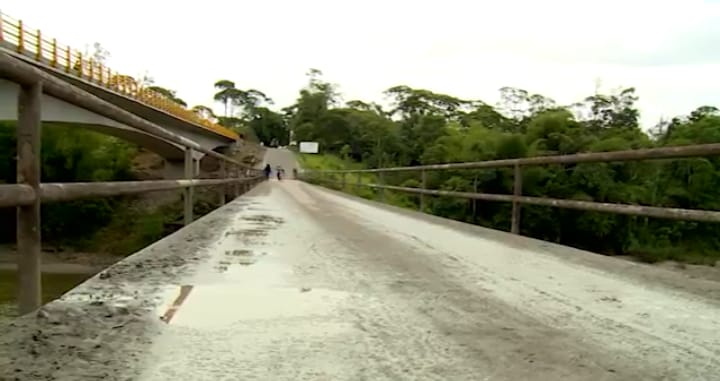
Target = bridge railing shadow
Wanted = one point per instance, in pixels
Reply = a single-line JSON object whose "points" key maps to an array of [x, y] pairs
{"points": [[340, 179], [28, 193]]}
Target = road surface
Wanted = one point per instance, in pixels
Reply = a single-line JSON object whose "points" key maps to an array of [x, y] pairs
{"points": [[311, 285], [303, 283]]}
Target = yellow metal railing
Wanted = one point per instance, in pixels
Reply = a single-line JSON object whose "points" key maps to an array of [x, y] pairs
{"points": [[33, 44]]}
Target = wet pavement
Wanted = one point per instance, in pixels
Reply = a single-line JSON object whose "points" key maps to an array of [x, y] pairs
{"points": [[295, 282]]}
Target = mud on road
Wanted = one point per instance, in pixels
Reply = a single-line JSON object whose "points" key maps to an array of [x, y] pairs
{"points": [[101, 329]]}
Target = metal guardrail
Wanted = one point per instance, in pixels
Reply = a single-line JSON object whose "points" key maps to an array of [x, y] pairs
{"points": [[33, 44], [517, 198], [29, 193]]}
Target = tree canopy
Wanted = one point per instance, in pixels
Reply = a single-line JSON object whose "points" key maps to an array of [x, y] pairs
{"points": [[423, 127]]}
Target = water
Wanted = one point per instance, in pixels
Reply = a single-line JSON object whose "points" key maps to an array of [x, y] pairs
{"points": [[53, 286]]}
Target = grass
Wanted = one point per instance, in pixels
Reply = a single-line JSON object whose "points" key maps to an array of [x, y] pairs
{"points": [[136, 227], [130, 230], [328, 162], [680, 253]]}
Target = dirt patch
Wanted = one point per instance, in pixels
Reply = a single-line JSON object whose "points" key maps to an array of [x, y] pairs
{"points": [[243, 257], [264, 219]]}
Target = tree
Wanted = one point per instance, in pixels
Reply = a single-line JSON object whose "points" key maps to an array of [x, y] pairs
{"points": [[170, 94], [269, 126], [411, 102], [616, 111], [145, 80], [249, 101], [99, 54], [423, 126], [203, 112], [226, 94]]}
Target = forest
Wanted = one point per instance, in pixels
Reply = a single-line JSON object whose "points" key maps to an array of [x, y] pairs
{"points": [[419, 126], [424, 127]]}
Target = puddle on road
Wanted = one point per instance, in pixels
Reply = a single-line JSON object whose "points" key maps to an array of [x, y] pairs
{"points": [[248, 281], [218, 305], [241, 243]]}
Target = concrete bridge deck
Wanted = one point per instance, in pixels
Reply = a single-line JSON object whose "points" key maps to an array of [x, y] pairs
{"points": [[295, 282]]}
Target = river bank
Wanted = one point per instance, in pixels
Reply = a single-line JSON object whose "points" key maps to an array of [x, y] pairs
{"points": [[61, 271], [56, 261]]}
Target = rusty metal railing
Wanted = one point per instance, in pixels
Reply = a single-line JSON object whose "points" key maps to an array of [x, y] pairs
{"points": [[28, 193], [32, 44], [701, 150]]}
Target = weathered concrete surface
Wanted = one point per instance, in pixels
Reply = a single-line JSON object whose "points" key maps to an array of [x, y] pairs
{"points": [[294, 282], [100, 329], [56, 111]]}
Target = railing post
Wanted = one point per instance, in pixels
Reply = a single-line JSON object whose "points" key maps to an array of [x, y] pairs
{"points": [[381, 182], [91, 70], [358, 182], [38, 46], [21, 37], [474, 201], [80, 65], [188, 192], [344, 181], [423, 185], [223, 175], [54, 53], [68, 59], [28, 216], [236, 186], [517, 192]]}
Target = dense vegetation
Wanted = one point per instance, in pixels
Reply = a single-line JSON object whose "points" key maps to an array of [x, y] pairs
{"points": [[424, 127], [68, 154], [107, 224]]}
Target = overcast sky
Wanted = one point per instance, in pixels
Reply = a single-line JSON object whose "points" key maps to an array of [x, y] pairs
{"points": [[669, 50]]}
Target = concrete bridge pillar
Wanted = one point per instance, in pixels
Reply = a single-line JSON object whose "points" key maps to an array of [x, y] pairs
{"points": [[175, 169]]}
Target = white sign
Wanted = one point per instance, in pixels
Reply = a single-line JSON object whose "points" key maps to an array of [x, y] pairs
{"points": [[309, 147]]}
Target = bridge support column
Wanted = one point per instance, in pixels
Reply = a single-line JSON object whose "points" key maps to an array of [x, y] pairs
{"points": [[188, 191], [517, 192], [423, 185], [173, 170], [28, 216]]}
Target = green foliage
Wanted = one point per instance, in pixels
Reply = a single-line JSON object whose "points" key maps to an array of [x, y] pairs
{"points": [[170, 94], [69, 154], [252, 120], [424, 127], [130, 230]]}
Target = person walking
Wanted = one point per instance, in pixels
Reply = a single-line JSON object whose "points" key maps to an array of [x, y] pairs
{"points": [[267, 171]]}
